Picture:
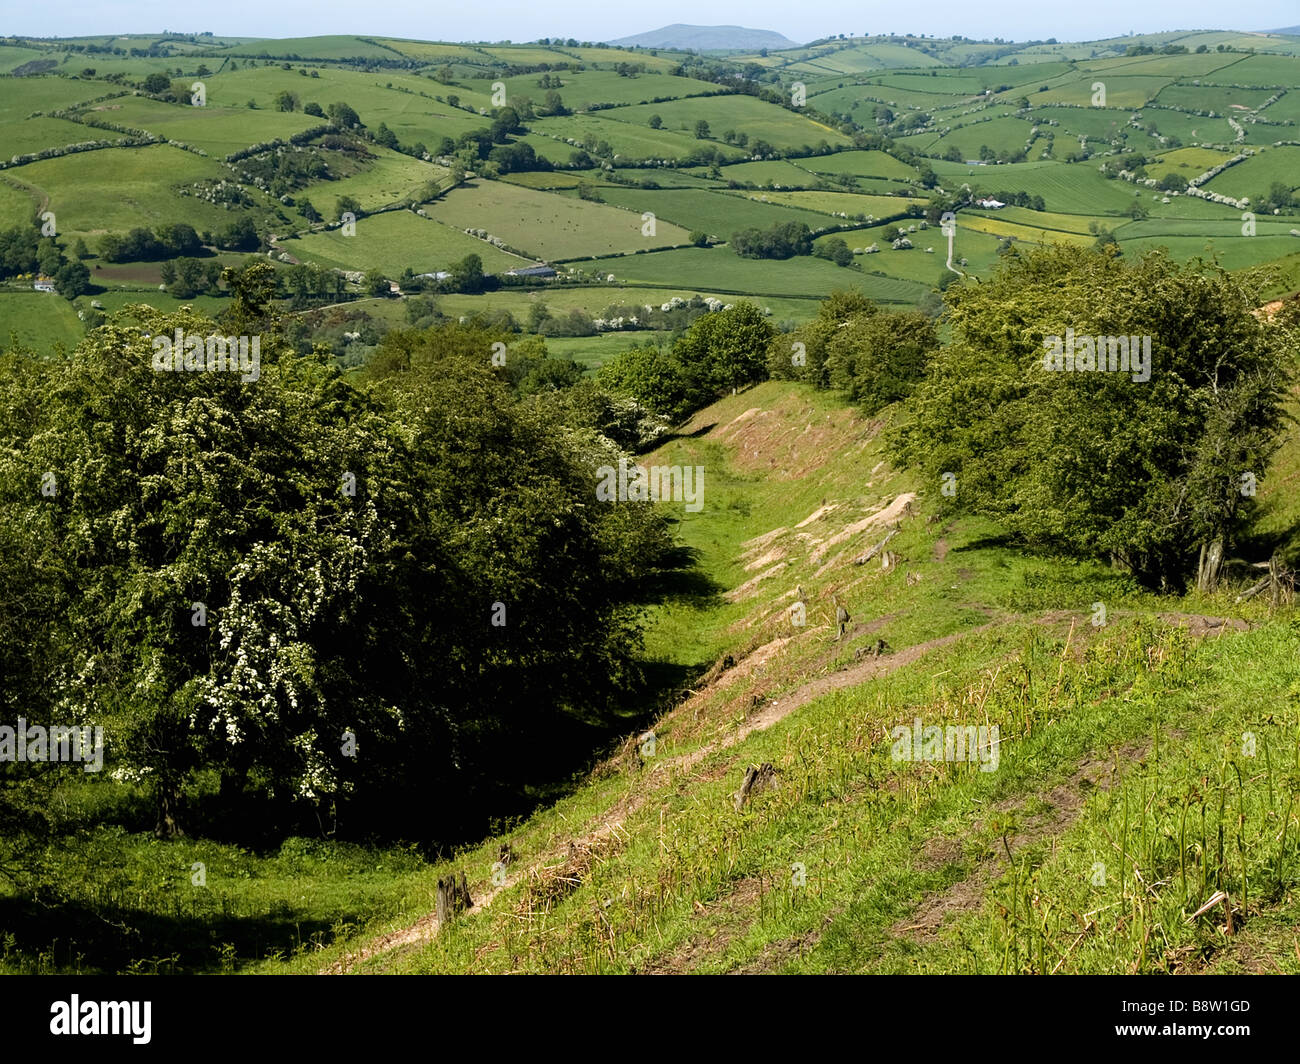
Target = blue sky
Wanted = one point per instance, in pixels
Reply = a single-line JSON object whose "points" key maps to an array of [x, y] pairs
{"points": [[600, 20]]}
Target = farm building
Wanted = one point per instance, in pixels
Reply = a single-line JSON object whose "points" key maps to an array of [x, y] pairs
{"points": [[532, 271], [43, 284]]}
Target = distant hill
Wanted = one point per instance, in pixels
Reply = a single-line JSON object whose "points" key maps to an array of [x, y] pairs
{"points": [[1290, 31], [708, 39]]}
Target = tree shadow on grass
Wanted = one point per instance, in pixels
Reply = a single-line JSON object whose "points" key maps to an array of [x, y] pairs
{"points": [[673, 436], [70, 935]]}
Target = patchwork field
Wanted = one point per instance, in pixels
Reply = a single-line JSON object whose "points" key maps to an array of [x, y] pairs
{"points": [[717, 213], [120, 188], [396, 240], [1253, 176], [550, 226], [721, 270], [892, 107], [777, 126]]}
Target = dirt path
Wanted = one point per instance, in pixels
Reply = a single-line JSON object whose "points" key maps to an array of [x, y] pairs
{"points": [[424, 929], [1065, 801], [1064, 806]]}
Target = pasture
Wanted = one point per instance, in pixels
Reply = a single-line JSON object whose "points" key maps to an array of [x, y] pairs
{"points": [[550, 226], [1252, 177], [760, 120], [717, 213], [722, 271], [119, 188], [394, 240]]}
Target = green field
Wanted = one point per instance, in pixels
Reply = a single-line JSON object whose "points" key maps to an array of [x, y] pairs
{"points": [[391, 178], [25, 135], [844, 205], [721, 271], [395, 240], [579, 91], [972, 91], [39, 321], [1186, 162], [116, 189], [217, 130], [776, 172], [630, 141], [777, 126], [717, 213], [1253, 176], [1065, 189], [862, 164], [550, 226]]}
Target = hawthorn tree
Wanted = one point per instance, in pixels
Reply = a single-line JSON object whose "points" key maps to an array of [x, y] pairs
{"points": [[1147, 473]]}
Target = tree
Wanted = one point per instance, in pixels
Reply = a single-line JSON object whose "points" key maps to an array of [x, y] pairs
{"points": [[138, 245], [701, 130], [504, 123], [655, 122], [654, 377], [1278, 197], [801, 354], [348, 546], [878, 359], [239, 235], [835, 249], [72, 279], [178, 239], [157, 84], [466, 275], [1146, 472], [727, 349], [342, 116], [286, 100], [782, 241], [313, 108]]}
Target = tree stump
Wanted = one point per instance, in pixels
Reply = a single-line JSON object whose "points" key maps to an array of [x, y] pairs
{"points": [[453, 897], [757, 778]]}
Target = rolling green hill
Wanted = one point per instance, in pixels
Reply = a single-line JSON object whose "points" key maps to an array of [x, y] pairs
{"points": [[887, 126]]}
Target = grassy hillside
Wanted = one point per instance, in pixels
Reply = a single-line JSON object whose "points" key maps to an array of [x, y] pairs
{"points": [[1117, 742]]}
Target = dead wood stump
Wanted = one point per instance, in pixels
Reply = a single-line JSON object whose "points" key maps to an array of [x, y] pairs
{"points": [[757, 778], [453, 897]]}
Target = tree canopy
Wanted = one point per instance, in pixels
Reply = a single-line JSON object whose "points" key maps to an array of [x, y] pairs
{"points": [[1147, 472]]}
